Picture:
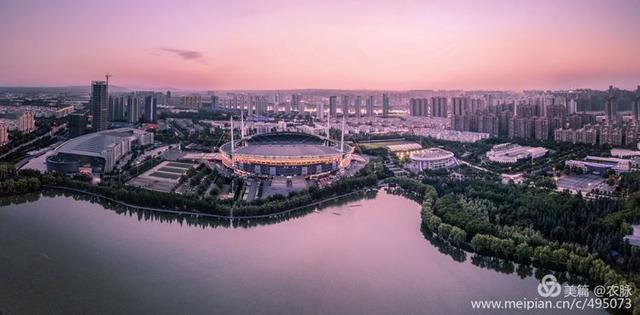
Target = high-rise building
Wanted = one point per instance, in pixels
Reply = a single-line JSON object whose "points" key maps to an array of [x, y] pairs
{"points": [[611, 135], [4, 134], [572, 107], [488, 124], [77, 124], [345, 105], [333, 111], [26, 122], [635, 106], [460, 105], [215, 102], [134, 112], [358, 106], [295, 102], [370, 106], [541, 128], [117, 107], [259, 105], [150, 108], [385, 105], [99, 108], [320, 111], [418, 107], [439, 107], [610, 110]]}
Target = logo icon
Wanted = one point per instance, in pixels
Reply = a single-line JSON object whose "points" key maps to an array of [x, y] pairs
{"points": [[549, 286]]}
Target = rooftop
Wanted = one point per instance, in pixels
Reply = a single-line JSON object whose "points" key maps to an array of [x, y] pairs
{"points": [[94, 144], [432, 153], [295, 149]]}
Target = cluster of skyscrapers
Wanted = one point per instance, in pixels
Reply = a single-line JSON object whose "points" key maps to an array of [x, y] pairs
{"points": [[614, 130], [532, 116], [424, 107], [350, 105], [134, 107], [129, 107], [539, 117]]}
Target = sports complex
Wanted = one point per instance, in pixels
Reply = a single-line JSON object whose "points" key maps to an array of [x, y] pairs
{"points": [[285, 154]]}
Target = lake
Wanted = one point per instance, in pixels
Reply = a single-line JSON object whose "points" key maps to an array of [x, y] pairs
{"points": [[65, 254]]}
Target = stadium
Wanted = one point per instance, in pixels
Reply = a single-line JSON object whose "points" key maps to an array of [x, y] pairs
{"points": [[285, 154], [432, 159]]}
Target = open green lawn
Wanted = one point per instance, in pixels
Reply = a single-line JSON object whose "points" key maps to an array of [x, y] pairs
{"points": [[381, 144]]}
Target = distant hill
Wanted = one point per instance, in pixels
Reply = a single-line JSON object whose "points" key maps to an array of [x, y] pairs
{"points": [[80, 89]]}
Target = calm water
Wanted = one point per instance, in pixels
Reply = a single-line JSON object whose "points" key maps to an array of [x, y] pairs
{"points": [[62, 255]]}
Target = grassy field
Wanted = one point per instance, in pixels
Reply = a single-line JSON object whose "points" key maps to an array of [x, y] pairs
{"points": [[381, 144]]}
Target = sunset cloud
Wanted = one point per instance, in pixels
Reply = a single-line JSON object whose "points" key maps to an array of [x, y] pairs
{"points": [[185, 54], [355, 44]]}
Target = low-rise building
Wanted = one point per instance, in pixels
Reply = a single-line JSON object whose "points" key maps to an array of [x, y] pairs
{"points": [[512, 153], [624, 153], [596, 164], [517, 178]]}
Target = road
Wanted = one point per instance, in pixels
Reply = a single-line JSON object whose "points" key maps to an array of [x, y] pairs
{"points": [[49, 133], [476, 167]]}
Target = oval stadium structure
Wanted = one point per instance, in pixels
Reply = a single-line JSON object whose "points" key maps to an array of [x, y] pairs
{"points": [[285, 154], [433, 159]]}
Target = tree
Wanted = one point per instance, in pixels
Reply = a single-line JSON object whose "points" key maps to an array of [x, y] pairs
{"points": [[444, 230], [433, 223], [457, 235]]}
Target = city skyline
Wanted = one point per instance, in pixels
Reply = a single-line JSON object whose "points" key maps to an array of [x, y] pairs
{"points": [[333, 45]]}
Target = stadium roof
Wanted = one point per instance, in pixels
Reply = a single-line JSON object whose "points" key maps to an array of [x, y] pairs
{"points": [[286, 144], [294, 149], [431, 154], [285, 138], [93, 144]]}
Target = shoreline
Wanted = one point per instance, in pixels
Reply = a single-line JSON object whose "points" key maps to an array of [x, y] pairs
{"points": [[209, 215]]}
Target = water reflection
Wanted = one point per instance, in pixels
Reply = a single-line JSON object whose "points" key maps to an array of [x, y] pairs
{"points": [[456, 253], [356, 255], [496, 264], [19, 199], [444, 247], [192, 220]]}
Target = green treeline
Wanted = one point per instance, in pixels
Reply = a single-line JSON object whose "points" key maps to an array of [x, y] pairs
{"points": [[485, 207], [479, 224], [368, 176], [12, 183]]}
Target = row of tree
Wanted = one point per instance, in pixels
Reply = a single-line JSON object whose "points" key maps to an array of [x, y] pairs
{"points": [[13, 183], [448, 218], [366, 177]]}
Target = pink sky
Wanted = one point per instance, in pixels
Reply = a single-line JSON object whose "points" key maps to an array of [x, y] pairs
{"points": [[322, 44]]}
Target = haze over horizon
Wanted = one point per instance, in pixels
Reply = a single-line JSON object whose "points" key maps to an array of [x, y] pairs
{"points": [[375, 45]]}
